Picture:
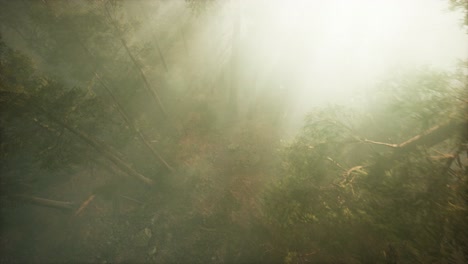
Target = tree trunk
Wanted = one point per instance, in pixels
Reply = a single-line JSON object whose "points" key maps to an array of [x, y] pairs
{"points": [[134, 128], [147, 85], [100, 147]]}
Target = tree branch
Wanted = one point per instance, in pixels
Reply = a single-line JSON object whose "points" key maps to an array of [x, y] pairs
{"points": [[433, 135], [427, 138], [380, 143]]}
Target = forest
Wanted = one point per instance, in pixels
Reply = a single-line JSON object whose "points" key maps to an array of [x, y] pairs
{"points": [[233, 131]]}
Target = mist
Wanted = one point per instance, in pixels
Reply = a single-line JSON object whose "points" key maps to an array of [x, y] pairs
{"points": [[241, 131], [316, 52]]}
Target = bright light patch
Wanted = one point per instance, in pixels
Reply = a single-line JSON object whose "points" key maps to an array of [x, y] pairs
{"points": [[330, 51]]}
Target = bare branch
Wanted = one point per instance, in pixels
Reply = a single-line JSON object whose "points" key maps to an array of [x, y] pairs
{"points": [[433, 135], [380, 143], [427, 138]]}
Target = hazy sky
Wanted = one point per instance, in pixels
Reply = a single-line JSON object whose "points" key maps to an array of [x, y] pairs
{"points": [[341, 44], [329, 51], [320, 51], [325, 51]]}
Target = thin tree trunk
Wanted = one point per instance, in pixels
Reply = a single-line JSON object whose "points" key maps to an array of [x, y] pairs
{"points": [[135, 129], [158, 47], [147, 85], [100, 147], [119, 107]]}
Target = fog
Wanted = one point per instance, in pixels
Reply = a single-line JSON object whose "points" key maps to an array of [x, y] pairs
{"points": [[175, 131], [316, 52], [342, 47]]}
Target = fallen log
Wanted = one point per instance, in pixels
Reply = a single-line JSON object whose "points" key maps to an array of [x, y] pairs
{"points": [[45, 202], [85, 204]]}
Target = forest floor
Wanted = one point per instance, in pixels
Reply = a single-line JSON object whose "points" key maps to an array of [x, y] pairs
{"points": [[209, 213]]}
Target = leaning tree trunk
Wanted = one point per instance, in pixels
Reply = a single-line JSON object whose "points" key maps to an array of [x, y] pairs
{"points": [[101, 148], [118, 106], [134, 129], [147, 85]]}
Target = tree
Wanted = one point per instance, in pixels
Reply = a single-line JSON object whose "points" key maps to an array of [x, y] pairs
{"points": [[96, 87], [402, 193], [34, 97], [461, 4]]}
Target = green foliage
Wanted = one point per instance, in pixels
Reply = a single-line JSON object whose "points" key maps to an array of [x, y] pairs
{"points": [[32, 139], [463, 5], [337, 189], [434, 96], [341, 192]]}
